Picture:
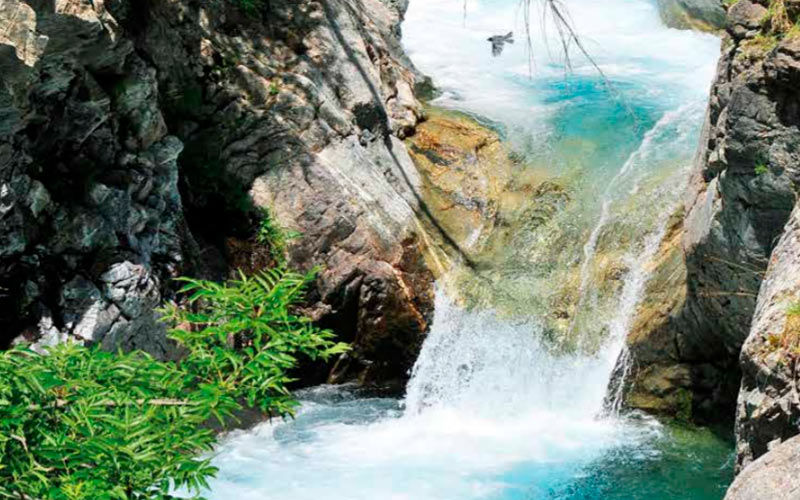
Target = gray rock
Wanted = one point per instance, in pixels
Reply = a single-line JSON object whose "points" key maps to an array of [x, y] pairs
{"points": [[87, 175], [131, 288], [314, 138], [774, 476], [90, 210], [741, 194], [769, 406], [745, 18], [86, 314]]}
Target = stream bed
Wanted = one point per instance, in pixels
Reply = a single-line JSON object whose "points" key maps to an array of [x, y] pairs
{"points": [[495, 408]]}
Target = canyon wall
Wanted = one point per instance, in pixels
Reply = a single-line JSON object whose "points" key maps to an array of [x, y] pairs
{"points": [[727, 275], [139, 141]]}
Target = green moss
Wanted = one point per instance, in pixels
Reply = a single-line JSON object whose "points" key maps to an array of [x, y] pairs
{"points": [[274, 88], [761, 169], [683, 405], [249, 7]]}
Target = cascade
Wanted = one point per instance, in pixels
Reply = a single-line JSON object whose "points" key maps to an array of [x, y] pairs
{"points": [[492, 409]]}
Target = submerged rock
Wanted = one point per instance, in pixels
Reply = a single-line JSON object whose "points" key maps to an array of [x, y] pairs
{"points": [[702, 15], [466, 172], [486, 204]]}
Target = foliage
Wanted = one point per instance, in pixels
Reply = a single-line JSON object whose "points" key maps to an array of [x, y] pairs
{"points": [[761, 169], [243, 337], [79, 423], [270, 233], [756, 47], [780, 22]]}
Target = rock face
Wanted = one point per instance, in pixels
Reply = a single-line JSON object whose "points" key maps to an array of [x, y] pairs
{"points": [[466, 175], [138, 140], [741, 194], [90, 216], [775, 475], [769, 405], [703, 15]]}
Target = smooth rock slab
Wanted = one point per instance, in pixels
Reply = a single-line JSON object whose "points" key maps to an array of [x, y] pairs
{"points": [[774, 476]]}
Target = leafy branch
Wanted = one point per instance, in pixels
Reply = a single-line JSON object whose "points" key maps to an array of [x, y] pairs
{"points": [[79, 423]]}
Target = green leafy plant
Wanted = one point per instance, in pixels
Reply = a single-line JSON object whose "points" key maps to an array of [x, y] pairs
{"points": [[243, 337], [761, 169], [270, 233], [79, 423]]}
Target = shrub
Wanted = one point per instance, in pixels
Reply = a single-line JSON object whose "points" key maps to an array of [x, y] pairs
{"points": [[243, 337], [80, 423]]}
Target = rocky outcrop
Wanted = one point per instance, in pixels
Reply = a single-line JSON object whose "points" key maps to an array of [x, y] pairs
{"points": [[139, 140], [90, 217], [769, 404], [490, 203], [466, 175], [740, 197], [703, 15], [776, 475]]}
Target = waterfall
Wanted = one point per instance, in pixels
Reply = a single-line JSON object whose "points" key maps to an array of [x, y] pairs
{"points": [[666, 125], [495, 409], [485, 364]]}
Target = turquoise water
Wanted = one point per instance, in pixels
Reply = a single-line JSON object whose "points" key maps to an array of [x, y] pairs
{"points": [[492, 411], [343, 446], [486, 417]]}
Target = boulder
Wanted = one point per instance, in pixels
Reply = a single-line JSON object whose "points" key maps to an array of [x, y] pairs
{"points": [[776, 475]]}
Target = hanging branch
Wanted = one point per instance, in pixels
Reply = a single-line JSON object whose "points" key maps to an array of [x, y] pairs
{"points": [[567, 38]]}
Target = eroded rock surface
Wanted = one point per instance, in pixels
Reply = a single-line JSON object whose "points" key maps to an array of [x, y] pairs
{"points": [[769, 403], [90, 217], [138, 140]]}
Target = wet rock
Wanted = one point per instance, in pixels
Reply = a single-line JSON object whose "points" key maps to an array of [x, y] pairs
{"points": [[465, 173]]}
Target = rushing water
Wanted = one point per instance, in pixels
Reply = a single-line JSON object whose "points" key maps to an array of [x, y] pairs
{"points": [[493, 410]]}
